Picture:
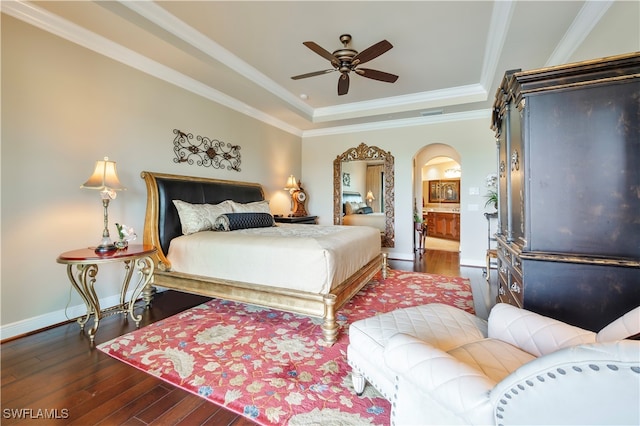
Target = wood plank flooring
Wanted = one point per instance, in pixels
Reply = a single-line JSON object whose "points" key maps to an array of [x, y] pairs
{"points": [[57, 371]]}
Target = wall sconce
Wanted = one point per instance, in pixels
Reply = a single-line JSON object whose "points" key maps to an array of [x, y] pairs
{"points": [[370, 197], [105, 180]]}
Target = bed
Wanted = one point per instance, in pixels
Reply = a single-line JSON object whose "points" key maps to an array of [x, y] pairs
{"points": [[356, 213], [229, 278]]}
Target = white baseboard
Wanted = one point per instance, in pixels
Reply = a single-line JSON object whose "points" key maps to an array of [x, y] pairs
{"points": [[396, 255], [52, 318], [473, 262]]}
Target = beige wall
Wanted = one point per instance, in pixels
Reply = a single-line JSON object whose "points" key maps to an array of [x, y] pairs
{"points": [[63, 108], [471, 138]]}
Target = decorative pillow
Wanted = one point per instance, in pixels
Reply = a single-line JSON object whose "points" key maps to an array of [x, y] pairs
{"points": [[364, 210], [352, 206], [253, 207], [199, 217], [348, 209], [233, 221]]}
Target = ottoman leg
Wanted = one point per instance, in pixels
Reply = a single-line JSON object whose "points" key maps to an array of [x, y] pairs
{"points": [[358, 382]]}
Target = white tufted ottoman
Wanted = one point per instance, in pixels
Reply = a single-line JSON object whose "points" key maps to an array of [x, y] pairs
{"points": [[443, 326]]}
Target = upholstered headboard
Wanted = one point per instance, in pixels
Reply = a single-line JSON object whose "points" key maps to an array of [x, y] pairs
{"points": [[162, 222]]}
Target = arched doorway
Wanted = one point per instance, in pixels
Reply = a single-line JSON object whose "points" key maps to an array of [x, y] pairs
{"points": [[437, 177]]}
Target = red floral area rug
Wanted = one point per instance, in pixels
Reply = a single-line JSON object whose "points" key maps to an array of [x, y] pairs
{"points": [[269, 365]]}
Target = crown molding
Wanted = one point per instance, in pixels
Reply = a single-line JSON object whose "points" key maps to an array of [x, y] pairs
{"points": [[161, 17], [422, 100], [53, 24], [589, 15], [188, 34], [500, 22], [484, 114]]}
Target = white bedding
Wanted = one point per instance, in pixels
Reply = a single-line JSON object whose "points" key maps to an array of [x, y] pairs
{"points": [[311, 258], [377, 220]]}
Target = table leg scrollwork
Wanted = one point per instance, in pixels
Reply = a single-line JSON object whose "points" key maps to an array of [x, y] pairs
{"points": [[78, 281], [145, 268], [84, 282], [128, 273]]}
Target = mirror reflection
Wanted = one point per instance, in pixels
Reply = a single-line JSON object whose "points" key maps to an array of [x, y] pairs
{"points": [[363, 190]]}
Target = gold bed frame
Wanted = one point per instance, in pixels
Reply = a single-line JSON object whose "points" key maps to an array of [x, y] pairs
{"points": [[295, 301]]}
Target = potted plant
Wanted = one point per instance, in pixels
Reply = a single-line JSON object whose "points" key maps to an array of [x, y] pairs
{"points": [[492, 199], [491, 182]]}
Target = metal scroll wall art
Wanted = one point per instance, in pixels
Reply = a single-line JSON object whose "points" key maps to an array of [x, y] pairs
{"points": [[205, 152]]}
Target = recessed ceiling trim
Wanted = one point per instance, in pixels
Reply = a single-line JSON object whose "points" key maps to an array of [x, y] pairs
{"points": [[499, 27], [589, 15], [188, 34], [423, 100], [53, 24], [484, 114]]}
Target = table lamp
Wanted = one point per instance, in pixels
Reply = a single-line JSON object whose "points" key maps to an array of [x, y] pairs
{"points": [[292, 185], [105, 180], [370, 197]]}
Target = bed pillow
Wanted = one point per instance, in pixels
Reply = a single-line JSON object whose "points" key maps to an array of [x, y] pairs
{"points": [[233, 221], [199, 217], [253, 207], [351, 207], [364, 210]]}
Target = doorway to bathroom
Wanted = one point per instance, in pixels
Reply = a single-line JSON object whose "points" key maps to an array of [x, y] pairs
{"points": [[437, 195]]}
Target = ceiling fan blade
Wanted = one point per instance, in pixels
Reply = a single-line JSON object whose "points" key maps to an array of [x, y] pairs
{"points": [[312, 74], [343, 84], [372, 52], [377, 75], [320, 51]]}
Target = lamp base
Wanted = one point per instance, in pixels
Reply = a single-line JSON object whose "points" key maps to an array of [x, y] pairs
{"points": [[106, 246], [106, 249]]}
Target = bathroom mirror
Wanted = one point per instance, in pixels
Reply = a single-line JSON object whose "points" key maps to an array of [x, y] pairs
{"points": [[371, 154]]}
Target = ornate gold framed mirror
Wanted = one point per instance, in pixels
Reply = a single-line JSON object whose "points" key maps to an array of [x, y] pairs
{"points": [[367, 154]]}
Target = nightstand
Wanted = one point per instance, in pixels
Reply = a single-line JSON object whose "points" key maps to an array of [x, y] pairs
{"points": [[307, 220], [136, 256]]}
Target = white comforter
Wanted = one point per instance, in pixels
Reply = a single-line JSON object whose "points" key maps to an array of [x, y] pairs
{"points": [[311, 258]]}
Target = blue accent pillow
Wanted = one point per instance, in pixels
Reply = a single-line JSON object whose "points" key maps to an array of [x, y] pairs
{"points": [[364, 210], [233, 221]]}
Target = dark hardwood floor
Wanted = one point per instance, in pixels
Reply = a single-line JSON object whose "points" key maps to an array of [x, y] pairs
{"points": [[431, 261], [57, 373]]}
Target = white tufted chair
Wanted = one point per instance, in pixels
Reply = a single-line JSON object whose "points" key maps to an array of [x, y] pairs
{"points": [[440, 365]]}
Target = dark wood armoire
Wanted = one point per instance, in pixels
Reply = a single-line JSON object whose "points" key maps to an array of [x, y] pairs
{"points": [[569, 189]]}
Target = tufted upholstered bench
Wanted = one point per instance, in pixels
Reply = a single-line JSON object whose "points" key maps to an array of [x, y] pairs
{"points": [[444, 326]]}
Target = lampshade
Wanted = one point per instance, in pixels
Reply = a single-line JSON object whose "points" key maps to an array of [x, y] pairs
{"points": [[291, 183], [370, 196], [104, 177]]}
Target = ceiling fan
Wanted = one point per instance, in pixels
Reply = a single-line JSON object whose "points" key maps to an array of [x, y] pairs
{"points": [[346, 60]]}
